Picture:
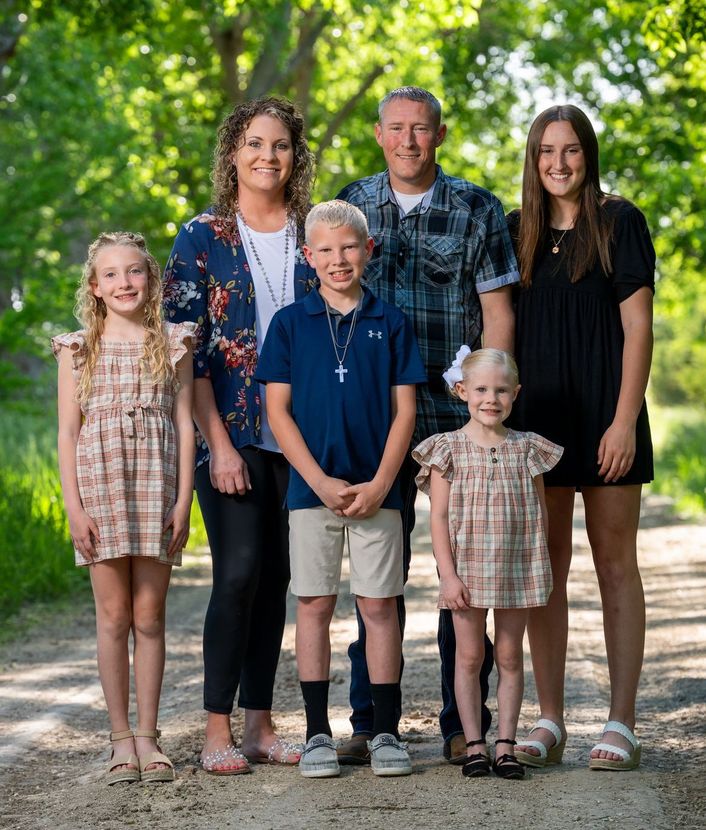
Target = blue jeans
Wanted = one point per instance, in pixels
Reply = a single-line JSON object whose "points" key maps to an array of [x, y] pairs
{"points": [[360, 699]]}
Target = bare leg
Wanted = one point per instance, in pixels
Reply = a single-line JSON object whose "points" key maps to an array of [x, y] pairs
{"points": [[111, 591], [509, 631], [383, 642], [469, 627], [259, 736], [150, 582], [313, 644], [547, 626], [612, 516], [218, 737]]}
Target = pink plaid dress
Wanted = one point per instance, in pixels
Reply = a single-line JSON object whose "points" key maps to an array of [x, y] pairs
{"points": [[495, 520], [126, 451]]}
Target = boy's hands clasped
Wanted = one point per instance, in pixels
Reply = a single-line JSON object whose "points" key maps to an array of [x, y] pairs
{"points": [[366, 499], [358, 501]]}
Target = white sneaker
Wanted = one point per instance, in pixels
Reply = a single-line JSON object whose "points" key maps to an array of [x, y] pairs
{"points": [[389, 756], [319, 758]]}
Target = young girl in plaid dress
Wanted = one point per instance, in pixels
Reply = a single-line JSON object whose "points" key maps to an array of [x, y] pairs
{"points": [[488, 530], [126, 453]]}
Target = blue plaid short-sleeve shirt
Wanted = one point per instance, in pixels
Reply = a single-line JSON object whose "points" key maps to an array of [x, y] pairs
{"points": [[433, 263]]}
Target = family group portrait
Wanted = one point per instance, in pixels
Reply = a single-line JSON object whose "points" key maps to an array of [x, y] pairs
{"points": [[352, 414]]}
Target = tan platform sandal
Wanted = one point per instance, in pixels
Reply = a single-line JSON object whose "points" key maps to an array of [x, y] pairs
{"points": [[154, 758], [130, 762]]}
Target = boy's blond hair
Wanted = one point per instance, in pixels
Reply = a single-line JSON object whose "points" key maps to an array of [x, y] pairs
{"points": [[336, 214]]}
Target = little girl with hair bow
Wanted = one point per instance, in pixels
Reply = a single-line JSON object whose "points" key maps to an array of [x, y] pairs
{"points": [[488, 529]]}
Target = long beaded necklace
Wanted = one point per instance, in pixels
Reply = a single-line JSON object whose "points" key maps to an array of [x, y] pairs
{"points": [[285, 274], [336, 346]]}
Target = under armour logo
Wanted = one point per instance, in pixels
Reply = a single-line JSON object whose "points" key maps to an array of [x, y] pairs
{"points": [[377, 334]]}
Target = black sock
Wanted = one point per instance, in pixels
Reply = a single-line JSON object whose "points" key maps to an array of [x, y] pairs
{"points": [[315, 693], [384, 717]]}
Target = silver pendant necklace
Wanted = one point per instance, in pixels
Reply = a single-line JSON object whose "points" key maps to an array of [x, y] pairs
{"points": [[277, 304], [341, 371]]}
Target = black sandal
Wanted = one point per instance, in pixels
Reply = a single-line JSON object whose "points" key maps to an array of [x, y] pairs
{"points": [[507, 766], [476, 765]]}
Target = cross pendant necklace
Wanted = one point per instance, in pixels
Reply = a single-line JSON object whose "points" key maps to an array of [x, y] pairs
{"points": [[341, 371]]}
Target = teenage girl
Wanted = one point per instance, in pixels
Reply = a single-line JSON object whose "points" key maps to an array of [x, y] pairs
{"points": [[488, 521], [126, 452]]}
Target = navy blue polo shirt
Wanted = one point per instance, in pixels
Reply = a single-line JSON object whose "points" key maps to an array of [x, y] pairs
{"points": [[344, 418]]}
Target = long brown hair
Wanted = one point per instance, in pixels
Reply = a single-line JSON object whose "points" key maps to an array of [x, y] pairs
{"points": [[231, 135], [592, 226], [91, 312]]}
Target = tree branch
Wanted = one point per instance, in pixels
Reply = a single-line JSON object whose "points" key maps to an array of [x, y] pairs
{"points": [[347, 108], [228, 40], [267, 72]]}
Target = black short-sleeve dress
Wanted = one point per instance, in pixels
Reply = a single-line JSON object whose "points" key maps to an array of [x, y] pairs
{"points": [[569, 350]]}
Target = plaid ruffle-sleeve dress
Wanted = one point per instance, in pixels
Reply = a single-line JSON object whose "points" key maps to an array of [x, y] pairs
{"points": [[495, 520], [126, 455]]}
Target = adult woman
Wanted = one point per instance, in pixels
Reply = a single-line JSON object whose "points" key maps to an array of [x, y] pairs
{"points": [[584, 346], [230, 270]]}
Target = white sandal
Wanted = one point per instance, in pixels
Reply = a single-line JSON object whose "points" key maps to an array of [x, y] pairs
{"points": [[547, 755], [629, 760]]}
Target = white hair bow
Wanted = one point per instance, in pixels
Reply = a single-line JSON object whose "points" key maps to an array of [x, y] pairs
{"points": [[453, 374]]}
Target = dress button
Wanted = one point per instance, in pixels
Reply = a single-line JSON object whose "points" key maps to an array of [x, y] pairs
{"points": [[495, 460]]}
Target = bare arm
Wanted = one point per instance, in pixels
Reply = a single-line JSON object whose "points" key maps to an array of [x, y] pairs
{"points": [[293, 445], [498, 319], [369, 495], [83, 529], [539, 484], [179, 516], [616, 451], [453, 591], [229, 472]]}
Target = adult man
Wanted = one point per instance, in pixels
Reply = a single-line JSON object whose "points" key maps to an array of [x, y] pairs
{"points": [[444, 256]]}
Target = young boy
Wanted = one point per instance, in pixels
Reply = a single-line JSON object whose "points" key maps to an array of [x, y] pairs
{"points": [[341, 368]]}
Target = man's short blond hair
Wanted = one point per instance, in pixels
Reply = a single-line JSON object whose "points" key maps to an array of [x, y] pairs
{"points": [[336, 214]]}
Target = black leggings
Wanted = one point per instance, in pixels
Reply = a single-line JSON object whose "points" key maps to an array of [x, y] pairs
{"points": [[249, 540]]}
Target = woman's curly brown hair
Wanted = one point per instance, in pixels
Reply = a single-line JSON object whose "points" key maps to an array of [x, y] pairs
{"points": [[231, 136], [91, 311]]}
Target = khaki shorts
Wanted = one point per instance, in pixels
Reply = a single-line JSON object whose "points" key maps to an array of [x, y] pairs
{"points": [[316, 540]]}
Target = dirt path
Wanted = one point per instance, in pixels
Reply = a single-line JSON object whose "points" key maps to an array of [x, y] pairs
{"points": [[53, 726]]}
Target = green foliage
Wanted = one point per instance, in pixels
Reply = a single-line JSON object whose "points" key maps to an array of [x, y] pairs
{"points": [[680, 457], [36, 557]]}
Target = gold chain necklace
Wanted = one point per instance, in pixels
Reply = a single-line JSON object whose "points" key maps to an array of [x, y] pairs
{"points": [[557, 242]]}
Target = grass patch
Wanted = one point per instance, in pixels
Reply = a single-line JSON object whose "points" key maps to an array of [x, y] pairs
{"points": [[679, 435]]}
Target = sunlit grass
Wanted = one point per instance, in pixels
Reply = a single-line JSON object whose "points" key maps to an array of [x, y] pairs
{"points": [[679, 435]]}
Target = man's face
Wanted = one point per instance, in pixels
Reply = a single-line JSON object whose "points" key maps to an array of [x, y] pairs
{"points": [[409, 136]]}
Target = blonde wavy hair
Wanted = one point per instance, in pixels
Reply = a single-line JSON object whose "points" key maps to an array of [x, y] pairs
{"points": [[91, 311], [231, 137]]}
